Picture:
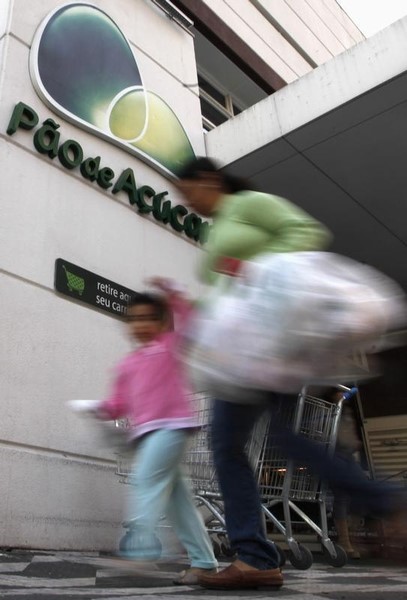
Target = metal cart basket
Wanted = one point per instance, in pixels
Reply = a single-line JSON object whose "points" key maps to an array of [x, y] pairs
{"points": [[202, 475], [280, 480], [283, 481]]}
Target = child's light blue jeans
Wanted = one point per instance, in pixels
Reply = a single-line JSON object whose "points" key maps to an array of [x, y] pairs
{"points": [[161, 489]]}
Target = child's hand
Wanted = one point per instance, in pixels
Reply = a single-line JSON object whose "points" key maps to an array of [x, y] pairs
{"points": [[169, 286], [162, 283]]}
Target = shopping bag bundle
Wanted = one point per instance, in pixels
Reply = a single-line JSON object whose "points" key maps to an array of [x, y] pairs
{"points": [[291, 319]]}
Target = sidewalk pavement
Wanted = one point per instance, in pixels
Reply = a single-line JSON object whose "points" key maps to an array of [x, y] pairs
{"points": [[45, 575]]}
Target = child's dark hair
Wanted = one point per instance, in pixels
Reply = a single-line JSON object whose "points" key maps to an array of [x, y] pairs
{"points": [[202, 164], [146, 299]]}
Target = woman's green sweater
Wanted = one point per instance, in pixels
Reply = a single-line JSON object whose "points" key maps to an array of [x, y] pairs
{"points": [[250, 223]]}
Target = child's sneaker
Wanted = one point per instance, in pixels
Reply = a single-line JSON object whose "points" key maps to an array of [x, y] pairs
{"points": [[190, 576]]}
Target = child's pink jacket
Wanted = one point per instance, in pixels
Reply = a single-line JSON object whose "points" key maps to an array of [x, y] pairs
{"points": [[150, 387]]}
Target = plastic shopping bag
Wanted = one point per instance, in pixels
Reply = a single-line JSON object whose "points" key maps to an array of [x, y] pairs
{"points": [[292, 319], [112, 434]]}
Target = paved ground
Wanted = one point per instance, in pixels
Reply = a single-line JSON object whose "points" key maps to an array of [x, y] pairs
{"points": [[75, 576]]}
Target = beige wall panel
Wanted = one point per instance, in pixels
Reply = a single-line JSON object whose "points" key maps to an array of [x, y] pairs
{"points": [[294, 27], [258, 45], [337, 21], [251, 19], [342, 16], [317, 25]]}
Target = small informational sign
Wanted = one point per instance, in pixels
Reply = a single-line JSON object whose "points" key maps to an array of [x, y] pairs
{"points": [[90, 288]]}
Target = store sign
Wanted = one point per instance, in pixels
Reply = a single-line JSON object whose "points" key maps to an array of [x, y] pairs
{"points": [[87, 287], [83, 67], [47, 141]]}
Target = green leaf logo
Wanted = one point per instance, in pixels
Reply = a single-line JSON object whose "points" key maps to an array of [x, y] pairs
{"points": [[83, 67]]}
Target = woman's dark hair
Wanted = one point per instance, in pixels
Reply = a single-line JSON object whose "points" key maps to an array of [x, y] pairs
{"points": [[146, 299], [202, 164]]}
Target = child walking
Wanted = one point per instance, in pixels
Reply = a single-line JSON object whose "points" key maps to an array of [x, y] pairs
{"points": [[150, 389]]}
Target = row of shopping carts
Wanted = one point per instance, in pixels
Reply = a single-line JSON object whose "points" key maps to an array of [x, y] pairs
{"points": [[285, 486]]}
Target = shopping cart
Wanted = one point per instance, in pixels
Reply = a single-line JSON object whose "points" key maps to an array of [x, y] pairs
{"points": [[283, 481]]}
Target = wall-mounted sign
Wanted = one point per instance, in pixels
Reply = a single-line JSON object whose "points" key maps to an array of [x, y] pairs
{"points": [[83, 67], [47, 141], [87, 287]]}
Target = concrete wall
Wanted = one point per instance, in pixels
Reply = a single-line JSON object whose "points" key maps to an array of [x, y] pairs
{"points": [[58, 484]]}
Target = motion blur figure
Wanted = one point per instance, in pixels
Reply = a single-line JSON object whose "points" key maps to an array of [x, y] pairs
{"points": [[150, 389], [246, 224], [348, 445]]}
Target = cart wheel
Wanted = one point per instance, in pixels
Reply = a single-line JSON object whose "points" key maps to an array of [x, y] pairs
{"points": [[216, 548], [133, 544], [339, 560], [281, 555], [304, 561]]}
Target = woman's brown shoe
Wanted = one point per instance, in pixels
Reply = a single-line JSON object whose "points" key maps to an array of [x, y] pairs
{"points": [[233, 578]]}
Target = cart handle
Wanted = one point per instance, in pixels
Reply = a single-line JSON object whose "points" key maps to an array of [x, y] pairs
{"points": [[350, 393]]}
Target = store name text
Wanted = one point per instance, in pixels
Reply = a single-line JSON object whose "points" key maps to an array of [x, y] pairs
{"points": [[70, 154]]}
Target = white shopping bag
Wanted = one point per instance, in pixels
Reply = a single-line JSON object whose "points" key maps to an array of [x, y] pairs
{"points": [[112, 434], [291, 319]]}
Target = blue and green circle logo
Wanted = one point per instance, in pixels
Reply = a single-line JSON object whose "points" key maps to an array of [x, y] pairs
{"points": [[83, 67]]}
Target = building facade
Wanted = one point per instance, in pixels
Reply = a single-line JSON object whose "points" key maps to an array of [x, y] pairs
{"points": [[99, 104]]}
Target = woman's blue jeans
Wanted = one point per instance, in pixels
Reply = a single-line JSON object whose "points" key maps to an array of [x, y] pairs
{"points": [[231, 428]]}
